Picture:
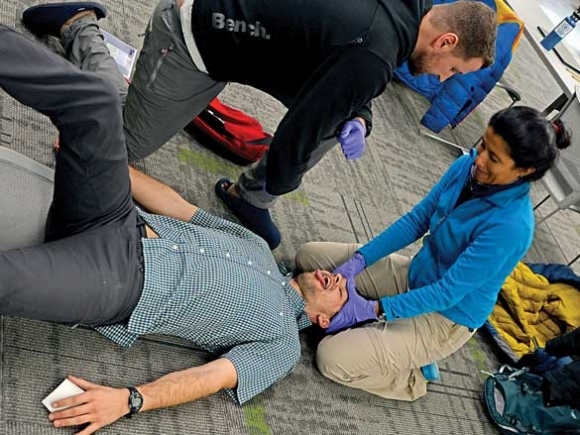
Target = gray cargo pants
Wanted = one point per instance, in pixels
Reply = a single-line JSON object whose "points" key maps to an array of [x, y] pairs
{"points": [[168, 91]]}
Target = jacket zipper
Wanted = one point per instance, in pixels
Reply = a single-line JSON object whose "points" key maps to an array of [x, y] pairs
{"points": [[159, 64], [454, 202]]}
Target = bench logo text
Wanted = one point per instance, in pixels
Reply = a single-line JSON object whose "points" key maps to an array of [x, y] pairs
{"points": [[220, 22]]}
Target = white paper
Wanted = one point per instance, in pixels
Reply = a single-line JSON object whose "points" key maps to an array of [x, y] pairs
{"points": [[64, 390], [124, 54]]}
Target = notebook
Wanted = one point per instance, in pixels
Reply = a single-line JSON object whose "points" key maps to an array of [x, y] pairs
{"points": [[123, 53]]}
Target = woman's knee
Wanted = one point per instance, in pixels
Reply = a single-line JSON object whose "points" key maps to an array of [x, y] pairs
{"points": [[323, 255], [306, 257], [347, 358], [328, 360]]}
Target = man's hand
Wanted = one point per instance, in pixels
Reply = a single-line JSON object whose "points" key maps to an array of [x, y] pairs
{"points": [[98, 407], [352, 138], [356, 310]]}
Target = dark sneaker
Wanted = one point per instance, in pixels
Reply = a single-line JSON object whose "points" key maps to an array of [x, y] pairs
{"points": [[47, 19]]}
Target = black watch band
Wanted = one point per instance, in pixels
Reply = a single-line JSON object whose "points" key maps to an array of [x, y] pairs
{"points": [[135, 401], [381, 309]]}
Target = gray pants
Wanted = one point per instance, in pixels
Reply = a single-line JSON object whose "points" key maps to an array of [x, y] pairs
{"points": [[382, 358], [168, 91], [85, 48], [90, 270]]}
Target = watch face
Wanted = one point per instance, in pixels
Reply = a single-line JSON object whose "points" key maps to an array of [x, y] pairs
{"points": [[136, 400]]}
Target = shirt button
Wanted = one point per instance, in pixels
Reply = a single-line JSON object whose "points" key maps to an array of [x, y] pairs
{"points": [[268, 272], [250, 262], [175, 247], [281, 314], [202, 250], [227, 255]]}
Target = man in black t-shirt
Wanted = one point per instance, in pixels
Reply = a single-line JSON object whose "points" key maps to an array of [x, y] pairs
{"points": [[325, 60]]}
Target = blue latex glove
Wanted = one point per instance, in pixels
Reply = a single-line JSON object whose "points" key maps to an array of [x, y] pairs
{"points": [[352, 139], [356, 309]]}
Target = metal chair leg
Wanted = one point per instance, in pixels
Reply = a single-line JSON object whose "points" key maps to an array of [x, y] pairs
{"points": [[512, 93], [425, 132], [574, 260], [541, 202]]}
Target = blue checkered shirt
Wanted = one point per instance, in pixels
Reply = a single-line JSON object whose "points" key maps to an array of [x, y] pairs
{"points": [[217, 284]]}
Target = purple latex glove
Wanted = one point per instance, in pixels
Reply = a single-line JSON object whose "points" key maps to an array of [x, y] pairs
{"points": [[352, 139], [356, 309], [352, 267]]}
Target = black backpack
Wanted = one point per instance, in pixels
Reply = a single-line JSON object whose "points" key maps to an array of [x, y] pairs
{"points": [[515, 402]]}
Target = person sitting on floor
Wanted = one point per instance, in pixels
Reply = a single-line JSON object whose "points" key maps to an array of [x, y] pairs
{"points": [[476, 223], [109, 265]]}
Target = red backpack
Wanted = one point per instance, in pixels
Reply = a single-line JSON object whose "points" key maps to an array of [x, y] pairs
{"points": [[230, 132]]}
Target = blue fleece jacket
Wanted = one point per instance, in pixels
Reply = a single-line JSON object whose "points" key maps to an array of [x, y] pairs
{"points": [[467, 255]]}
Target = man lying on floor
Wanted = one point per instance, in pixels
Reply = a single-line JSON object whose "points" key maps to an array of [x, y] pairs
{"points": [[180, 271]]}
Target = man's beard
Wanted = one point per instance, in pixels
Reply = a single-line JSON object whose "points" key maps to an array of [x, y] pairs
{"points": [[306, 285], [417, 64]]}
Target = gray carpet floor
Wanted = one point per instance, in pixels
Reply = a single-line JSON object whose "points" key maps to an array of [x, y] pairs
{"points": [[339, 201]]}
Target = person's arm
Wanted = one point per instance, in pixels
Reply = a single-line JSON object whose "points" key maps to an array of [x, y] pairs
{"points": [[99, 406], [159, 198], [339, 87], [414, 224], [489, 259]]}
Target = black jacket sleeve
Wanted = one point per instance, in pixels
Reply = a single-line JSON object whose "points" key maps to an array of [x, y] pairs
{"points": [[565, 345], [341, 87], [562, 386]]}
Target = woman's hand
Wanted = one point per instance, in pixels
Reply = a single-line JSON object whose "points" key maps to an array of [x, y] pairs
{"points": [[356, 310]]}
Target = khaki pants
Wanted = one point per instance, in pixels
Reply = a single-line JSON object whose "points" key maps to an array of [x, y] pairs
{"points": [[381, 358]]}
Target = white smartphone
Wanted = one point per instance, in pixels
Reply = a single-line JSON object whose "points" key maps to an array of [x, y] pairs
{"points": [[64, 390]]}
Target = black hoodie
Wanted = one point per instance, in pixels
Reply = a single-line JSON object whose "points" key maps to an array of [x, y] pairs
{"points": [[323, 59]]}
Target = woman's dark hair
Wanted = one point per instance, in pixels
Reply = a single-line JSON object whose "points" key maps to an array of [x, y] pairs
{"points": [[533, 140]]}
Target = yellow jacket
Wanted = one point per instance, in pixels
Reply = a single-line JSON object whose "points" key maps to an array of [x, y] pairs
{"points": [[529, 307]]}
